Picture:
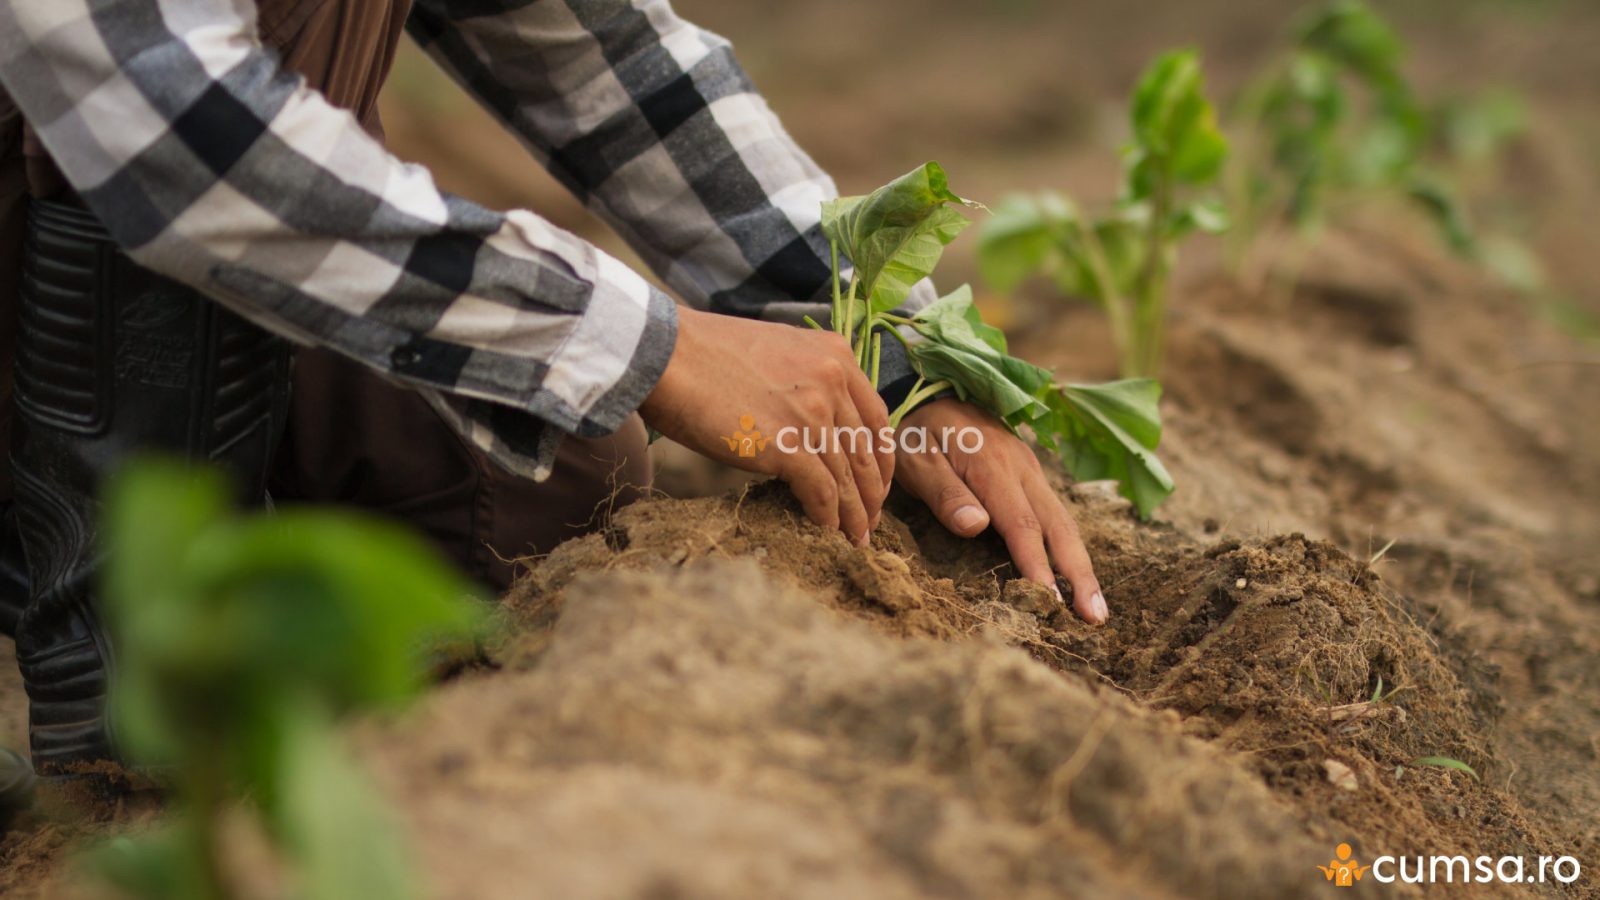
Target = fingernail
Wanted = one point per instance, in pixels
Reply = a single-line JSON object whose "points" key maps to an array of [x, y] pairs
{"points": [[967, 518], [1059, 599], [1097, 603]]}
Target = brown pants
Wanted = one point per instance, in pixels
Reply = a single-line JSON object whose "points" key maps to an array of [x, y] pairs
{"points": [[355, 439], [352, 437]]}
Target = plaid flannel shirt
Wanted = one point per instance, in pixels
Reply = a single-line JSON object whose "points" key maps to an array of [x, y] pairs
{"points": [[208, 163]]}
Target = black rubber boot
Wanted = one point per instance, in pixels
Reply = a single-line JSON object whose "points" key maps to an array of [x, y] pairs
{"points": [[113, 360], [13, 572]]}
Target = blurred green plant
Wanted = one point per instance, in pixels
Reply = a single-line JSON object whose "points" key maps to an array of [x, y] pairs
{"points": [[894, 238], [241, 640], [1335, 122], [1474, 130], [1123, 260]]}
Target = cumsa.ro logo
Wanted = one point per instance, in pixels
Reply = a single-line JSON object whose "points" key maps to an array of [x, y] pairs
{"points": [[1344, 870], [748, 440]]}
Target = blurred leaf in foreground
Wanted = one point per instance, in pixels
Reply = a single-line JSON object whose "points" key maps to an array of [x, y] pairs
{"points": [[240, 641]]}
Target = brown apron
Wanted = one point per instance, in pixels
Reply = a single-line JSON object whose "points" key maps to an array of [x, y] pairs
{"points": [[353, 438]]}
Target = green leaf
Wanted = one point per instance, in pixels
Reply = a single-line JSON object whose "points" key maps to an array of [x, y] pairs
{"points": [[1361, 41], [1386, 148], [1477, 128], [961, 349], [218, 616], [1175, 126], [1446, 211], [1207, 216], [1446, 762], [1313, 82], [240, 638], [162, 864], [1099, 431], [994, 337], [1015, 242], [896, 235], [337, 829], [390, 598], [1110, 431], [976, 378]]}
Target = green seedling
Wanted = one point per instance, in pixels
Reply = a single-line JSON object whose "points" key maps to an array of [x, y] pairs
{"points": [[1443, 762], [1123, 260], [894, 237], [1335, 120], [241, 640]]}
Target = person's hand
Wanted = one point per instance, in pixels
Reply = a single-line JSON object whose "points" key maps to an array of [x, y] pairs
{"points": [[1001, 484], [724, 369]]}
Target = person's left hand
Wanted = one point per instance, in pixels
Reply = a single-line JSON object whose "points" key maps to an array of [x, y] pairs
{"points": [[1001, 484]]}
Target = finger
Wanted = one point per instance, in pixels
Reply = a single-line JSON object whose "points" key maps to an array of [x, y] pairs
{"points": [[1066, 548], [1002, 494], [931, 480], [816, 489], [875, 415], [855, 443], [852, 513]]}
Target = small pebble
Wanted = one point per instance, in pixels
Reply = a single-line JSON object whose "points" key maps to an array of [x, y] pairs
{"points": [[1340, 775], [1241, 584]]}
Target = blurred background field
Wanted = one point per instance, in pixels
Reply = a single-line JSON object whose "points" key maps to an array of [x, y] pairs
{"points": [[1017, 94]]}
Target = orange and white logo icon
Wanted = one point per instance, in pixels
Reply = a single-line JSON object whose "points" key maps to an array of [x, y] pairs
{"points": [[1344, 871], [747, 441]]}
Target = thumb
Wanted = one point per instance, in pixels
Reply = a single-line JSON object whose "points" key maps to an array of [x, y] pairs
{"points": [[953, 504]]}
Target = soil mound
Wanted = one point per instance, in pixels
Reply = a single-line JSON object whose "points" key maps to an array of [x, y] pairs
{"points": [[743, 741], [1249, 705]]}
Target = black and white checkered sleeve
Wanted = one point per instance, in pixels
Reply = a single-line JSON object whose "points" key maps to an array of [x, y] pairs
{"points": [[654, 124], [208, 163]]}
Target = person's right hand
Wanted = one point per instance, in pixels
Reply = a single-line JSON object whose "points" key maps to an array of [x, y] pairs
{"points": [[724, 368]]}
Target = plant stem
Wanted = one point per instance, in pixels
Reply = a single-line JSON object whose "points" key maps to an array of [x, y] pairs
{"points": [[877, 356], [863, 342], [838, 302], [894, 332], [1111, 296], [919, 392], [849, 308], [1150, 287]]}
